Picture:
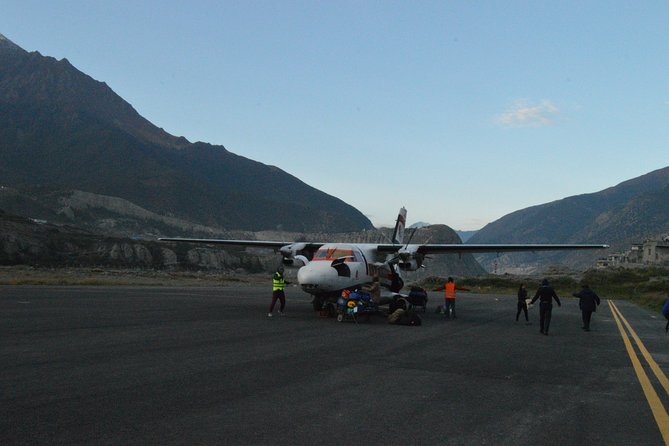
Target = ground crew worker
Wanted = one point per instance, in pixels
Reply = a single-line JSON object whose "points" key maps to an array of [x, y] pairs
{"points": [[278, 284], [588, 302], [522, 302], [449, 297], [546, 293], [374, 289]]}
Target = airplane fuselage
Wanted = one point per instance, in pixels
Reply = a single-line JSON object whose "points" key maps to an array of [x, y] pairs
{"points": [[338, 266]]}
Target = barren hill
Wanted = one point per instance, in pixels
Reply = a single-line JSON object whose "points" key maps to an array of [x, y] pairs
{"points": [[62, 131]]}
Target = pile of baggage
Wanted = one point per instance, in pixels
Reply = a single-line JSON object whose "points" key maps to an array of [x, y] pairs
{"points": [[417, 298], [352, 304]]}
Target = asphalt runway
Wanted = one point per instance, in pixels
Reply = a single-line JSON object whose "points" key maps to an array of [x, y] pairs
{"points": [[117, 365]]}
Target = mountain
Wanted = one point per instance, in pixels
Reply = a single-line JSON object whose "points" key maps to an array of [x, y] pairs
{"points": [[63, 133], [443, 265], [628, 213], [419, 224], [466, 235], [25, 241]]}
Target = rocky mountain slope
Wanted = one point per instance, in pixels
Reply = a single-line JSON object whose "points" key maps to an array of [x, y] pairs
{"points": [[630, 212], [25, 241], [28, 242], [62, 132]]}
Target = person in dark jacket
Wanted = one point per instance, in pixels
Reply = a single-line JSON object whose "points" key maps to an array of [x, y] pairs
{"points": [[546, 294], [522, 302], [665, 313], [588, 302]]}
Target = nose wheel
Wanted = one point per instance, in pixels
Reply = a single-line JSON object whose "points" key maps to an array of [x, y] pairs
{"points": [[317, 303]]}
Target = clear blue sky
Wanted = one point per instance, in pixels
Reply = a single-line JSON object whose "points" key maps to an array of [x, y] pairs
{"points": [[462, 111]]}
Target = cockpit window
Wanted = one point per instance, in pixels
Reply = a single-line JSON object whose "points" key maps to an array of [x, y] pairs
{"points": [[336, 252]]}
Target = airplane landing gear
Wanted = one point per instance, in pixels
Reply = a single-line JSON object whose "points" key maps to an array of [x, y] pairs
{"points": [[317, 303]]}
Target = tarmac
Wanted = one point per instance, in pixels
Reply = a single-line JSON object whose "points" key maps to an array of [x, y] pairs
{"points": [[163, 365]]}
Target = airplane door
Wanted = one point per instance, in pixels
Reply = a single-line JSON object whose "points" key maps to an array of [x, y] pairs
{"points": [[342, 268]]}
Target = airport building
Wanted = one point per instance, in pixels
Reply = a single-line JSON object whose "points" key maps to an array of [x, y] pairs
{"points": [[648, 253]]}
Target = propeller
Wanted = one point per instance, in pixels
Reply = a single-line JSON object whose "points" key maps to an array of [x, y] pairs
{"points": [[402, 253]]}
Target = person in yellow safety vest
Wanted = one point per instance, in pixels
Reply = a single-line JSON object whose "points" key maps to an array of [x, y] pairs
{"points": [[278, 284], [449, 297]]}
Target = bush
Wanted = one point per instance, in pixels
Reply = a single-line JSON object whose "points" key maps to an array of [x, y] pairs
{"points": [[647, 287]]}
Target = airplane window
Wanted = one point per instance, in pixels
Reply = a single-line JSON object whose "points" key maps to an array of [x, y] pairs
{"points": [[336, 253]]}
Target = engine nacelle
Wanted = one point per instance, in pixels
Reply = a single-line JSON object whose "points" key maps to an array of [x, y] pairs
{"points": [[296, 261], [409, 260], [291, 256], [411, 265]]}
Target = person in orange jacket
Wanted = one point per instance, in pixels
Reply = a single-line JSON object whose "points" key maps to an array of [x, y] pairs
{"points": [[449, 297]]}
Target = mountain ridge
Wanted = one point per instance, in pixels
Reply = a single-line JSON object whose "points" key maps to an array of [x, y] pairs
{"points": [[620, 215], [63, 130]]}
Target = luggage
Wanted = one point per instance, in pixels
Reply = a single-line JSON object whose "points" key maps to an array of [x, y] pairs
{"points": [[409, 318], [403, 317], [395, 316], [417, 297]]}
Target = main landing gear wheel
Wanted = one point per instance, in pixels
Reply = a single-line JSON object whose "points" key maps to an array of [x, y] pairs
{"points": [[397, 303], [331, 309], [317, 303]]}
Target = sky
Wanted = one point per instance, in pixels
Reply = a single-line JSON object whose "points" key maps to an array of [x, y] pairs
{"points": [[461, 111]]}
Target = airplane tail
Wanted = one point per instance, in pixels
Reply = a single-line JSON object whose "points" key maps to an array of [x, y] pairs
{"points": [[398, 234]]}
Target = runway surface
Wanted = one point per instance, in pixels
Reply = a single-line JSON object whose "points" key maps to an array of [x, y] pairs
{"points": [[96, 365]]}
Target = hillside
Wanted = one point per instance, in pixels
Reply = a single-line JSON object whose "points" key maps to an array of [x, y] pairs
{"points": [[28, 242], [62, 131], [25, 241], [630, 212]]}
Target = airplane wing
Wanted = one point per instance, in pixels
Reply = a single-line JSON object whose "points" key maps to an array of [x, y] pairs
{"points": [[449, 248], [287, 249], [247, 243], [462, 248]]}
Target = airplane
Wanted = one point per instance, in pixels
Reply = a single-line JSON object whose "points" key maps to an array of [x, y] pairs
{"points": [[326, 269]]}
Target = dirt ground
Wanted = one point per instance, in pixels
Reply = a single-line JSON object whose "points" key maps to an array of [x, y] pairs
{"points": [[26, 275]]}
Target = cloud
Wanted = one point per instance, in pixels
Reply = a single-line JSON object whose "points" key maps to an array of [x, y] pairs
{"points": [[524, 114]]}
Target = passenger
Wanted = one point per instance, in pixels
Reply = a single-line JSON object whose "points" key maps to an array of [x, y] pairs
{"points": [[449, 297], [278, 284], [665, 313], [588, 302], [374, 289], [522, 302], [546, 293]]}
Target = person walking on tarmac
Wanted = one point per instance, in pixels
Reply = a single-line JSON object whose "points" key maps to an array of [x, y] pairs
{"points": [[588, 302], [665, 313], [546, 294], [449, 297], [278, 284], [522, 302]]}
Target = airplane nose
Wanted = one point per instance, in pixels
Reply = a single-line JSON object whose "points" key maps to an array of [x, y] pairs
{"points": [[316, 278]]}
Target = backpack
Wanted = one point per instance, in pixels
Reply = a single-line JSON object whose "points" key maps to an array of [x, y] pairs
{"points": [[395, 316], [410, 318], [418, 296]]}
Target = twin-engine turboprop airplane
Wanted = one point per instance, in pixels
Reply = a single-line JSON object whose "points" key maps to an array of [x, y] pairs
{"points": [[326, 269]]}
